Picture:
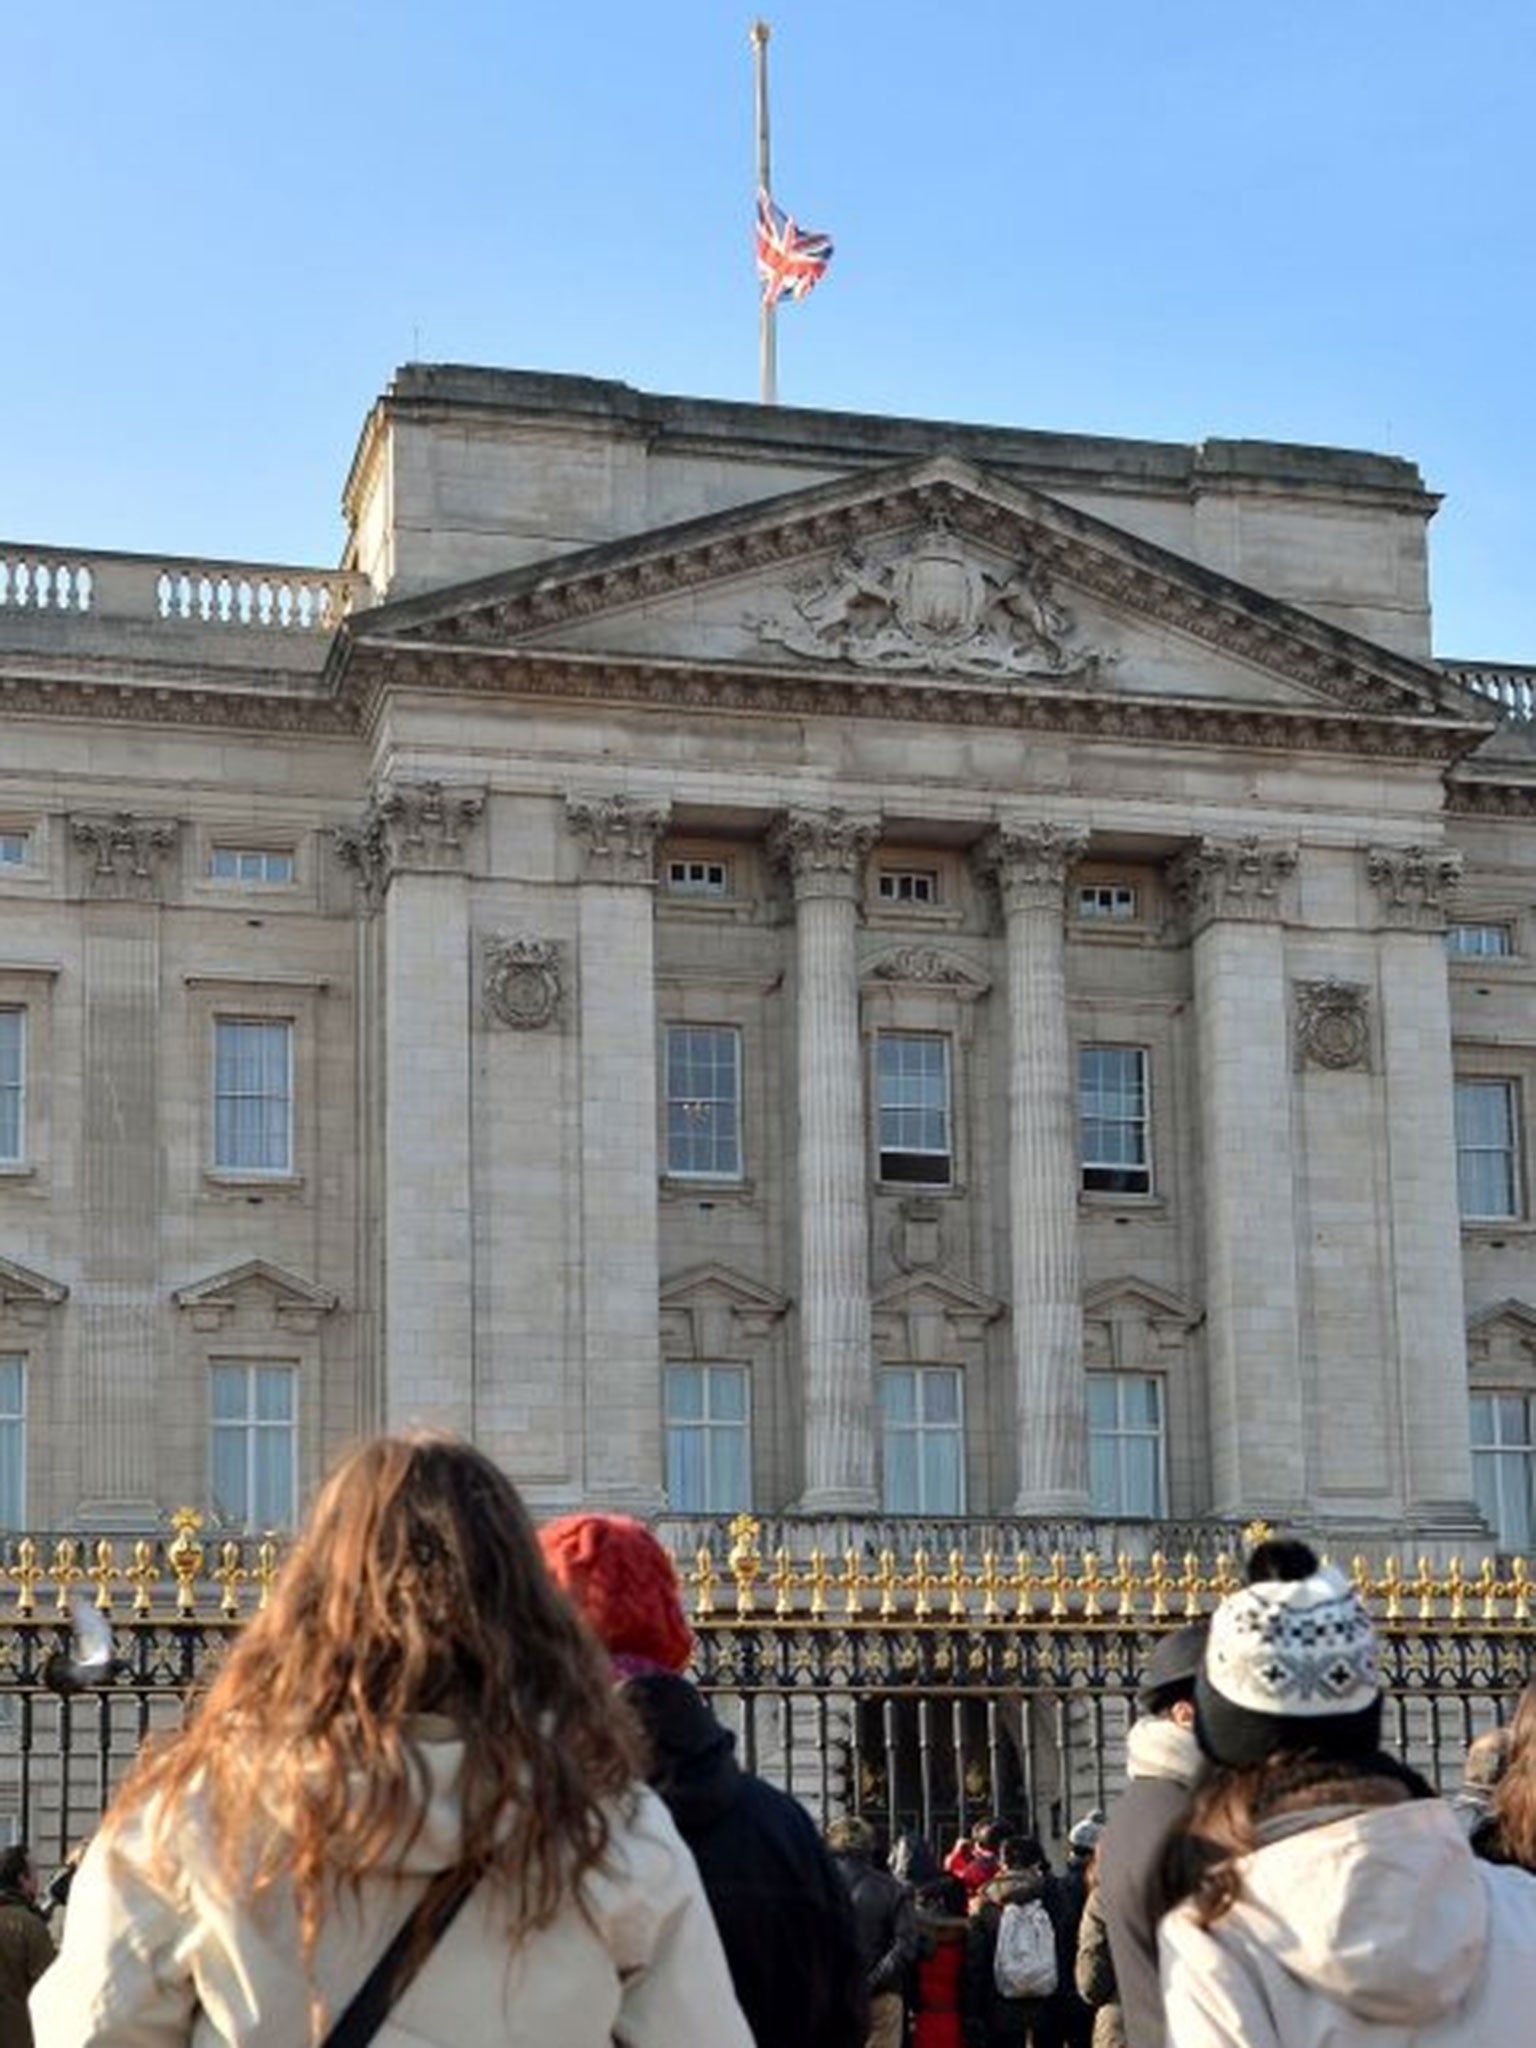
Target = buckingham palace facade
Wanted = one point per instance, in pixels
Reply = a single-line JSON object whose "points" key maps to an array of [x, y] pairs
{"points": [[751, 958]]}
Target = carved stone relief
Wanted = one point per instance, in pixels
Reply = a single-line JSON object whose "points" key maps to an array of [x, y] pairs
{"points": [[930, 605], [1414, 885], [409, 827], [928, 967], [1236, 879], [520, 979], [125, 854], [1333, 1024], [617, 835]]}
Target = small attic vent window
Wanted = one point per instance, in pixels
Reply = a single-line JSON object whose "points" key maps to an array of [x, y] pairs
{"points": [[698, 878]]}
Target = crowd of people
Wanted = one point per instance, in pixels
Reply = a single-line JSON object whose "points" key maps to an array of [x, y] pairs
{"points": [[453, 1786]]}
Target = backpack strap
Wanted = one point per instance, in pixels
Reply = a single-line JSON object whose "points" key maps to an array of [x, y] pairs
{"points": [[423, 1928]]}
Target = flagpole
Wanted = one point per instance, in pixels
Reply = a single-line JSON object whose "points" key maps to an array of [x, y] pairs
{"points": [[767, 351]]}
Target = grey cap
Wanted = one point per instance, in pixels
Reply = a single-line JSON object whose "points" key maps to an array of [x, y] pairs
{"points": [[1175, 1662]]}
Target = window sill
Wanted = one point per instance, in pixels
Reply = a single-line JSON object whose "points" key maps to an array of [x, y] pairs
{"points": [[17, 1169], [921, 1190], [1484, 1227], [682, 1188], [1106, 1198], [922, 916], [229, 1181]]}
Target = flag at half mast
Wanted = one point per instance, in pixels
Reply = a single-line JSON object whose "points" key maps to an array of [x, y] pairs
{"points": [[790, 259]]}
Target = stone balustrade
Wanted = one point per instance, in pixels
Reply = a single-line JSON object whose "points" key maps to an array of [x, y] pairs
{"points": [[1511, 686], [170, 591]]}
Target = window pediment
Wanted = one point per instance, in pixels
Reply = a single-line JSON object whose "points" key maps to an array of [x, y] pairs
{"points": [[1502, 1338], [930, 1316], [292, 1302], [710, 1310], [25, 1296], [1130, 1322], [932, 969]]}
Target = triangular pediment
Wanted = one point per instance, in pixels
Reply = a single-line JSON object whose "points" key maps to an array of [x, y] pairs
{"points": [[21, 1288], [944, 1293], [289, 1294], [1502, 1336], [927, 577], [1128, 1295], [715, 1283]]}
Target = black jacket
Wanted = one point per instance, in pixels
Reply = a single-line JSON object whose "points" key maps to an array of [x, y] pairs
{"points": [[783, 1916], [991, 2020], [884, 1920], [1134, 1890]]}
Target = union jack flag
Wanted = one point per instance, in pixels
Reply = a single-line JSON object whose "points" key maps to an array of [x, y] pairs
{"points": [[790, 259]]}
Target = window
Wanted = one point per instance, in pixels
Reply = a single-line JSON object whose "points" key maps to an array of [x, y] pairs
{"points": [[698, 878], [253, 1096], [13, 1440], [912, 1106], [251, 864], [709, 1439], [923, 1464], [252, 1456], [1487, 1171], [1113, 900], [1504, 1466], [1480, 941], [13, 1086], [15, 849], [1125, 1443], [907, 885], [1112, 1119], [704, 1101]]}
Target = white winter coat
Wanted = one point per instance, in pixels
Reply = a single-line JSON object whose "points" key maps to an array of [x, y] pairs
{"points": [[1375, 1930], [146, 1965]]}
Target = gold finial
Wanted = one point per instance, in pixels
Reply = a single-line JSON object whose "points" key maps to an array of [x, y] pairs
{"points": [[266, 1569], [67, 1572], [184, 1554], [142, 1575], [229, 1575], [1256, 1532], [744, 1560], [104, 1571], [26, 1571]]}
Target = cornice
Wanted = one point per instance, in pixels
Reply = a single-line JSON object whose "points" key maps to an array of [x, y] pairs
{"points": [[771, 691], [1242, 623], [1489, 799], [122, 696]]}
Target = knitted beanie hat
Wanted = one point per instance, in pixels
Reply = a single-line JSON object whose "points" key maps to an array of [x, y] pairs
{"points": [[621, 1579], [1290, 1665]]}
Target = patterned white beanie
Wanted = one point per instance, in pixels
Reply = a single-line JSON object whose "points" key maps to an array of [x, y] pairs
{"points": [[1290, 1665]]}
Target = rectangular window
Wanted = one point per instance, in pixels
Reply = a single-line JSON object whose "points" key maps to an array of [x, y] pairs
{"points": [[15, 849], [1112, 900], [1504, 1468], [253, 1096], [698, 878], [1480, 941], [704, 1101], [13, 1440], [923, 1461], [250, 864], [709, 1439], [912, 1106], [1113, 1119], [253, 1445], [13, 1086], [907, 885], [1487, 1164], [1125, 1443]]}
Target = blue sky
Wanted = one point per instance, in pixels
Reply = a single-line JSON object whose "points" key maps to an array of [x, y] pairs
{"points": [[224, 226]]}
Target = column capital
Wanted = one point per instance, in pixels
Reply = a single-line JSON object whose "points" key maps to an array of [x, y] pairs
{"points": [[125, 853], [618, 835], [1414, 885], [1231, 879], [1029, 861], [824, 851], [408, 828]]}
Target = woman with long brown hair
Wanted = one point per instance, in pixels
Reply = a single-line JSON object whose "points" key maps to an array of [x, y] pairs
{"points": [[417, 1724], [1509, 1833]]}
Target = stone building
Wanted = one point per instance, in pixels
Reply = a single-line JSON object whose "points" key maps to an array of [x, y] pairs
{"points": [[840, 965]]}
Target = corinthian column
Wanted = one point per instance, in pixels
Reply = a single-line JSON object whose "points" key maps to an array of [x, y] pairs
{"points": [[616, 996], [1230, 891], [824, 852], [1030, 863], [1414, 885]]}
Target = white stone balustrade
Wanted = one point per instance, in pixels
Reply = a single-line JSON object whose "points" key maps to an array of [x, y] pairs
{"points": [[240, 596]]}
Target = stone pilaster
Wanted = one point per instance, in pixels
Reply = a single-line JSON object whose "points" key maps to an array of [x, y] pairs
{"points": [[1414, 887], [410, 854], [1030, 862], [117, 1306], [824, 852], [616, 979], [1232, 893]]}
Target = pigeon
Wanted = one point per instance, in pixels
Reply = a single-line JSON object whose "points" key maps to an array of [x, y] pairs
{"points": [[90, 1661]]}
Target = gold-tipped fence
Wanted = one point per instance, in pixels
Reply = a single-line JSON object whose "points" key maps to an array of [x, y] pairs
{"points": [[213, 1579]]}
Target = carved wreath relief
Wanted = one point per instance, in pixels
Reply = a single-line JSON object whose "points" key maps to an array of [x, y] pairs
{"points": [[933, 605], [1332, 1024], [521, 981]]}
